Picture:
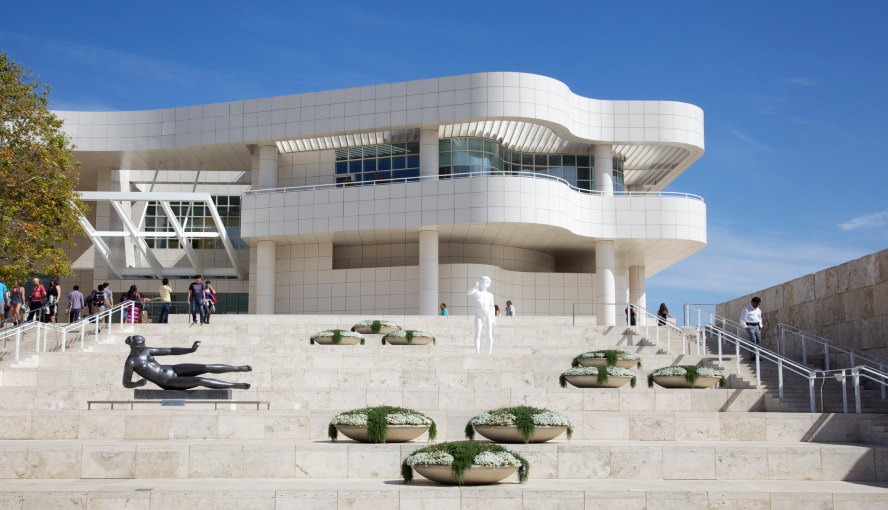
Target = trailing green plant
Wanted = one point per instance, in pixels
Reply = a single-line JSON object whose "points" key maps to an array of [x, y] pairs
{"points": [[612, 356], [690, 372], [409, 334], [336, 335], [524, 418], [462, 456], [377, 420], [603, 372], [375, 326]]}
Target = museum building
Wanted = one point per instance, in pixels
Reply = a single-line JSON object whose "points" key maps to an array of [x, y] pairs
{"points": [[391, 199]]}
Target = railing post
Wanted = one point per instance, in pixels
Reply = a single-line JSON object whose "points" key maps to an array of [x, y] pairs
{"points": [[737, 349], [783, 339], [719, 347], [82, 332], [668, 336], [97, 318], [656, 325], [64, 338], [37, 327], [780, 376], [701, 337], [683, 343], [811, 389], [855, 374], [698, 317], [844, 394], [18, 342], [758, 366], [851, 354]]}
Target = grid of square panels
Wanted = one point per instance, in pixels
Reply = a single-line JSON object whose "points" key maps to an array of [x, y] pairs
{"points": [[377, 162], [196, 218]]}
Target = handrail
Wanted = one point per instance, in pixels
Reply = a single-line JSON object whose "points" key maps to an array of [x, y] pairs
{"points": [[469, 175], [855, 355], [44, 328], [647, 315]]}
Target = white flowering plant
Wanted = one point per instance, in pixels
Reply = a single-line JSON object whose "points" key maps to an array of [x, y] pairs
{"points": [[462, 456], [409, 334], [611, 355], [690, 372], [375, 325], [337, 335], [525, 418], [603, 372], [377, 420]]}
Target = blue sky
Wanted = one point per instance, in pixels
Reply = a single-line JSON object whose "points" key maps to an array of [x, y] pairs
{"points": [[794, 93]]}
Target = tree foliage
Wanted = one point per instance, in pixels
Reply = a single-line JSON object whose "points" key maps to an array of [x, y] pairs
{"points": [[39, 207]]}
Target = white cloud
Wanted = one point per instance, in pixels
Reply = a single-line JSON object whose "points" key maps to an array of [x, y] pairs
{"points": [[868, 220], [754, 143], [805, 82]]}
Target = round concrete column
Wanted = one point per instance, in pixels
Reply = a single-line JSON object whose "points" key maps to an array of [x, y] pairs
{"points": [[268, 166], [266, 265], [604, 168], [606, 286], [636, 290], [428, 154], [428, 272]]}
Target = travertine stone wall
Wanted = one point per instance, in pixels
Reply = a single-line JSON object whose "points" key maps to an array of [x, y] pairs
{"points": [[847, 303]]}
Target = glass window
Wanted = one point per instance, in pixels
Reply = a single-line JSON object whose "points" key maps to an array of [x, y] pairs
{"points": [[475, 158], [584, 174], [195, 218], [527, 160], [488, 147], [444, 145], [569, 173], [401, 174], [412, 161], [399, 149], [355, 153], [369, 165], [460, 158], [341, 154], [540, 160], [583, 161], [354, 167], [460, 144], [569, 160], [555, 172], [444, 170], [476, 144], [554, 159], [370, 152], [507, 155], [399, 163], [516, 158], [383, 150], [443, 158], [341, 167], [385, 163], [413, 148]]}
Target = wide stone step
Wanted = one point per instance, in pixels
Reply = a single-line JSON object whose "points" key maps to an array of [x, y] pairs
{"points": [[558, 459], [292, 494]]}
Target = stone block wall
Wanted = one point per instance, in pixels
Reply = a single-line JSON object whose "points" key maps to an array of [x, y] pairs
{"points": [[847, 303]]}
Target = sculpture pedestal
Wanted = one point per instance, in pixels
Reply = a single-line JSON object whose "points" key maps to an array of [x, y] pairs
{"points": [[202, 394]]}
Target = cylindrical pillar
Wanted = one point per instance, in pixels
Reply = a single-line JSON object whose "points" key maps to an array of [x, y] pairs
{"points": [[636, 290], [604, 168], [428, 272], [428, 153], [266, 264], [606, 287], [268, 167]]}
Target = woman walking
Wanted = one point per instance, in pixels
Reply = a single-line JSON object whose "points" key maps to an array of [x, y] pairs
{"points": [[209, 300], [16, 300], [663, 315], [52, 303]]}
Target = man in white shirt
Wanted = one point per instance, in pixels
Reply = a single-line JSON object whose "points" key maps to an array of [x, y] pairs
{"points": [[751, 320], [510, 309]]}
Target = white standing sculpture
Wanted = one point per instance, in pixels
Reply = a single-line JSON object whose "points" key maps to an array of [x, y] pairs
{"points": [[484, 312]]}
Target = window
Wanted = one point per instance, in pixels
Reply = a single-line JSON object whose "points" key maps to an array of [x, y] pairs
{"points": [[377, 162], [484, 157], [195, 218], [618, 175]]}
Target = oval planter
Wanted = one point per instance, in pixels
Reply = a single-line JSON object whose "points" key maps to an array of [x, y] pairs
{"points": [[346, 340], [417, 340], [591, 381], [510, 434], [477, 475], [679, 381], [394, 433], [622, 363], [367, 330]]}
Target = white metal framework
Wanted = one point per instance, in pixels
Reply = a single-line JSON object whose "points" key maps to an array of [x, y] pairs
{"points": [[137, 236]]}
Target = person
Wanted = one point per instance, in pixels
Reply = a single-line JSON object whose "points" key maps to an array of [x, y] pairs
{"points": [[16, 300], [74, 304], [99, 301], [632, 315], [109, 297], [444, 309], [209, 300], [510, 309], [484, 312], [173, 377], [4, 295], [165, 300], [496, 310], [135, 311], [90, 302], [52, 304], [195, 299], [38, 295], [751, 320], [663, 315]]}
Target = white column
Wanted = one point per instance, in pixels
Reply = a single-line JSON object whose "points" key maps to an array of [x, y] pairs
{"points": [[428, 272], [606, 287], [266, 265], [428, 153], [604, 168], [636, 289], [268, 166]]}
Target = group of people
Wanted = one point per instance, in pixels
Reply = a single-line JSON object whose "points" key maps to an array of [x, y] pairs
{"points": [[510, 309], [42, 303], [663, 315]]}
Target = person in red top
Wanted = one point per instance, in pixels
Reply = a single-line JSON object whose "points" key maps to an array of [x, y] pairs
{"points": [[38, 296]]}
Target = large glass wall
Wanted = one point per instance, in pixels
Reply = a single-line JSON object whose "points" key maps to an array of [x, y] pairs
{"points": [[195, 218], [618, 175], [485, 157], [377, 162]]}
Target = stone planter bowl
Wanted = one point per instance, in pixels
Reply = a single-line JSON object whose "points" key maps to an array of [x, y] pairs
{"points": [[679, 381], [477, 475], [383, 330], [510, 434], [417, 340], [394, 434], [622, 363], [591, 381], [346, 340]]}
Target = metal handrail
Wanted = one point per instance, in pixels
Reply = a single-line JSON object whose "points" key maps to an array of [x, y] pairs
{"points": [[257, 403], [855, 355], [647, 315], [44, 328], [470, 175]]}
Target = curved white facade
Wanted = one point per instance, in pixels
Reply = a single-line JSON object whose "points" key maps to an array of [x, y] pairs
{"points": [[290, 142]]}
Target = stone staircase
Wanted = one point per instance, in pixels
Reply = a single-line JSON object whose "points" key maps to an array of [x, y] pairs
{"points": [[632, 448]]}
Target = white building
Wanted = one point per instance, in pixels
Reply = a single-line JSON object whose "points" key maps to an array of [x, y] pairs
{"points": [[392, 199]]}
